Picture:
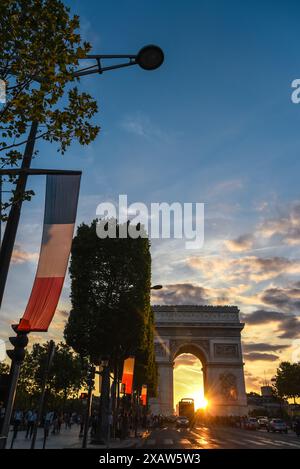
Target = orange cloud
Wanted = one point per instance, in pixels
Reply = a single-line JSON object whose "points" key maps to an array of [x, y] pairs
{"points": [[20, 256]]}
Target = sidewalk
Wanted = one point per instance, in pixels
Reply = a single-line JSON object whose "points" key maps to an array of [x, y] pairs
{"points": [[69, 439]]}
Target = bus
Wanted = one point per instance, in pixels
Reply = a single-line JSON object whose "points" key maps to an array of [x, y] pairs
{"points": [[187, 408]]}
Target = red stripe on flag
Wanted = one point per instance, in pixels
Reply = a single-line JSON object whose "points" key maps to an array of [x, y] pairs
{"points": [[143, 395], [42, 304], [127, 379]]}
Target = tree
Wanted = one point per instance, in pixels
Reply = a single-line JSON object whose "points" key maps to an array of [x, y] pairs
{"points": [[40, 49], [67, 375], [110, 295], [287, 380]]}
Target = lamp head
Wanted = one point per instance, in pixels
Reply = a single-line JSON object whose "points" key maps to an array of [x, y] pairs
{"points": [[150, 57]]}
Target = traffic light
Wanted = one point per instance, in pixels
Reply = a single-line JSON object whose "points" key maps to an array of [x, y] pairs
{"points": [[83, 395], [19, 342]]}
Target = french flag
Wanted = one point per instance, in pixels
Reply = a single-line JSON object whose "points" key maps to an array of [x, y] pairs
{"points": [[127, 377], [62, 193]]}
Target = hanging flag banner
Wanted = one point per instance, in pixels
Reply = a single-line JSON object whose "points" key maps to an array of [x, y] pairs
{"points": [[127, 378], [143, 395], [61, 201]]}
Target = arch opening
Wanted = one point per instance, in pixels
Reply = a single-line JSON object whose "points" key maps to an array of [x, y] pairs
{"points": [[188, 379]]}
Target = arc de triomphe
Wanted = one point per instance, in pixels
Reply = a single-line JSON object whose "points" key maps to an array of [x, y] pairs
{"points": [[212, 334]]}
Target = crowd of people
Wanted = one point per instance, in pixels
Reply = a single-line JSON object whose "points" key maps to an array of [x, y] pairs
{"points": [[51, 421], [120, 426]]}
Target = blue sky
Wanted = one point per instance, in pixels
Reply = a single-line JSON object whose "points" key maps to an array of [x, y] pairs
{"points": [[215, 124]]}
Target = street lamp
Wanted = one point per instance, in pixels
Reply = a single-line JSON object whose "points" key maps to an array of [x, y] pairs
{"points": [[156, 287]]}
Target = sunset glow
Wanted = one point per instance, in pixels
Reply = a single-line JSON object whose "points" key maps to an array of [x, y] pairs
{"points": [[188, 380]]}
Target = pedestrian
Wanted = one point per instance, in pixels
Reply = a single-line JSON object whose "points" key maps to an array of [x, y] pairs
{"points": [[125, 426], [94, 423], [31, 417], [81, 423], [54, 423], [297, 427], [18, 418], [59, 422], [48, 422], [2, 413]]}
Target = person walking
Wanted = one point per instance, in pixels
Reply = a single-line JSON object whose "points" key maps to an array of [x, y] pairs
{"points": [[297, 427], [31, 417], [47, 425], [18, 418]]}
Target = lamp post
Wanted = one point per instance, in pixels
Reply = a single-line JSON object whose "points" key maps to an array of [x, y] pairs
{"points": [[91, 376], [102, 432], [148, 58]]}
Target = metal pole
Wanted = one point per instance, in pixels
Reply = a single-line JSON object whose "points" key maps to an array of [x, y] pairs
{"points": [[13, 379], [15, 211], [105, 404], [50, 355], [88, 413]]}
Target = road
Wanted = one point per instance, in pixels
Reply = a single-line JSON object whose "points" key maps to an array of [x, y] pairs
{"points": [[169, 437], [203, 437]]}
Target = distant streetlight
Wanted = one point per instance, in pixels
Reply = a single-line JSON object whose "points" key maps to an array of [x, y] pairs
{"points": [[156, 287]]}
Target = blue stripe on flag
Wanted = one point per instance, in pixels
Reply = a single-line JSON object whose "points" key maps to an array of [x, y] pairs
{"points": [[61, 199]]}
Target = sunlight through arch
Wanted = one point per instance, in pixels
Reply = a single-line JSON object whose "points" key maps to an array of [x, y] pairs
{"points": [[188, 380]]}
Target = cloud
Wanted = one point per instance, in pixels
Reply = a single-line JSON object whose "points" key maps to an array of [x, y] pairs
{"points": [[263, 347], [181, 293], [242, 243], [286, 298], [186, 359], [140, 125], [253, 382], [288, 324], [285, 227], [189, 293], [289, 328], [262, 316], [20, 256], [256, 356], [248, 268]]}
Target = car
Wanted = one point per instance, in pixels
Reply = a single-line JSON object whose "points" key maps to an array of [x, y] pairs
{"points": [[251, 424], [182, 421], [262, 422], [171, 418], [277, 425]]}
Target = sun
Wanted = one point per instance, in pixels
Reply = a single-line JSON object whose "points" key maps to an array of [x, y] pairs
{"points": [[203, 403], [200, 401]]}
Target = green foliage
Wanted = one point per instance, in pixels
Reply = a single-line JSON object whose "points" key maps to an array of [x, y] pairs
{"points": [[110, 294], [40, 50], [66, 376], [287, 380]]}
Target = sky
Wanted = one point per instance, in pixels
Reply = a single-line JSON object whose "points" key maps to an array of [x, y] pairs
{"points": [[214, 125]]}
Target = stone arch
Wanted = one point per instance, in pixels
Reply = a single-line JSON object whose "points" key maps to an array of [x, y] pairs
{"points": [[194, 349], [213, 335], [199, 352]]}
